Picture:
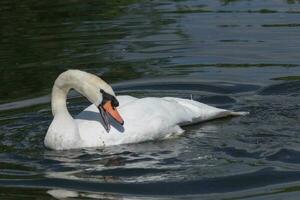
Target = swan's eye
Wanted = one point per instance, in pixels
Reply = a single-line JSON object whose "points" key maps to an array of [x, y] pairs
{"points": [[114, 102], [109, 97]]}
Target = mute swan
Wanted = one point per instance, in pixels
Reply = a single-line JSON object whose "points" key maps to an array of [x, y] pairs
{"points": [[135, 120]]}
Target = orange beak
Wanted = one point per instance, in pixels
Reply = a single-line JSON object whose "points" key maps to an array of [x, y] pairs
{"points": [[113, 112]]}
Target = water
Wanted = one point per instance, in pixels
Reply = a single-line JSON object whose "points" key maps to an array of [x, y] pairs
{"points": [[240, 55]]}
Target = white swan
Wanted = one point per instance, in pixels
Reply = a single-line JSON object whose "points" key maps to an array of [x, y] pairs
{"points": [[101, 124]]}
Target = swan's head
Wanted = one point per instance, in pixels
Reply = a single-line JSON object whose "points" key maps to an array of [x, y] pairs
{"points": [[96, 90], [108, 108]]}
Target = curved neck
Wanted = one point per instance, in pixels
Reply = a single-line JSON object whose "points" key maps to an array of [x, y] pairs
{"points": [[85, 83], [63, 132], [58, 100], [62, 85]]}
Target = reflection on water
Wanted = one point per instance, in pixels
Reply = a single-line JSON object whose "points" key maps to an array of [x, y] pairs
{"points": [[240, 55]]}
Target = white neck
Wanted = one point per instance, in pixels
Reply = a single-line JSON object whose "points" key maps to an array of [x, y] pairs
{"points": [[85, 83], [63, 132]]}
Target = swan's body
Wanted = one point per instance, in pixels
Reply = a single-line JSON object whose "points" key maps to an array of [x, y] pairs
{"points": [[145, 119]]}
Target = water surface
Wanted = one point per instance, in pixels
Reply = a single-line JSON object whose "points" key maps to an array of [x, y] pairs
{"points": [[239, 55]]}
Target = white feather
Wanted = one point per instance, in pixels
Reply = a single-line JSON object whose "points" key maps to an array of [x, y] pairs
{"points": [[145, 119]]}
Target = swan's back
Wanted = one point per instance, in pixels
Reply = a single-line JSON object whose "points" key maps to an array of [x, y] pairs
{"points": [[145, 119]]}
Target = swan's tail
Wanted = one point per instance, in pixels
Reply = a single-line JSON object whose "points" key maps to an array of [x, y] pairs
{"points": [[198, 112], [232, 113]]}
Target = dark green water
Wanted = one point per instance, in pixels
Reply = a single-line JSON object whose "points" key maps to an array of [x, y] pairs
{"points": [[241, 55]]}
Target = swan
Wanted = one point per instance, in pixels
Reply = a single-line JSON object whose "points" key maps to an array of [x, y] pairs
{"points": [[115, 120]]}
